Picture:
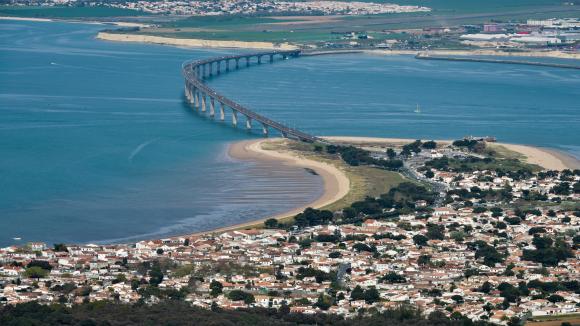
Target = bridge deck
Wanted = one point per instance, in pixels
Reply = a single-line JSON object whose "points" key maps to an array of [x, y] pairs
{"points": [[192, 79]]}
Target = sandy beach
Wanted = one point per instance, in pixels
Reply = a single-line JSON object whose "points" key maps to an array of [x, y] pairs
{"points": [[192, 42], [336, 183]]}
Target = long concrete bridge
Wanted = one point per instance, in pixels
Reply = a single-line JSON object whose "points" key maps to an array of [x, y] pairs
{"points": [[206, 99]]}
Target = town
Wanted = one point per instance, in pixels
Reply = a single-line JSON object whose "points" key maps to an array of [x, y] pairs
{"points": [[496, 242], [240, 7]]}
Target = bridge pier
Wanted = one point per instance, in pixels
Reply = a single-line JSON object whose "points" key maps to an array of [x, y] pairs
{"points": [[259, 59], [196, 99], [211, 107], [187, 90], [219, 67], [210, 65], [202, 102], [265, 129], [192, 93], [234, 118], [237, 63], [222, 111], [227, 65], [248, 123], [247, 61], [271, 58]]}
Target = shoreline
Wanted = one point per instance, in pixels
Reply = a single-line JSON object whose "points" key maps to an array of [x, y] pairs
{"points": [[91, 22], [481, 52], [190, 42], [335, 182], [547, 158], [234, 44]]}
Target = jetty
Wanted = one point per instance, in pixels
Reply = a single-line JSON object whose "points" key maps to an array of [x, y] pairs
{"points": [[424, 56]]}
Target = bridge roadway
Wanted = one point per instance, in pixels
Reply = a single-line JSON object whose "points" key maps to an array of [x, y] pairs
{"points": [[199, 93]]}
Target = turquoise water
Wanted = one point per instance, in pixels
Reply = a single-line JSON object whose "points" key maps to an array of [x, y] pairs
{"points": [[378, 95], [96, 144]]}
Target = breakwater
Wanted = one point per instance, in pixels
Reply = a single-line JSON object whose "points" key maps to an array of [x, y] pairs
{"points": [[502, 61]]}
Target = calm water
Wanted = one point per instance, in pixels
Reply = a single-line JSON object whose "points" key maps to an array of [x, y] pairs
{"points": [[378, 96], [97, 145]]}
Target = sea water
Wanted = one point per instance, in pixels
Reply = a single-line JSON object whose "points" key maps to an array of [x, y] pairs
{"points": [[98, 145]]}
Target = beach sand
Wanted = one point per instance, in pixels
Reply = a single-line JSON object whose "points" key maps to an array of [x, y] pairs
{"points": [[191, 42], [336, 183]]}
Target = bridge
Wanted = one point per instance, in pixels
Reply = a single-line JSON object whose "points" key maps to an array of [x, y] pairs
{"points": [[204, 98]]}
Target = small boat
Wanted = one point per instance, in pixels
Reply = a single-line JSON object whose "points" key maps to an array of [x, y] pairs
{"points": [[17, 239], [418, 109]]}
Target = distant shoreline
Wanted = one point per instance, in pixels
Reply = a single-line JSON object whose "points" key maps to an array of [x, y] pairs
{"points": [[92, 22], [229, 44], [482, 52], [200, 43]]}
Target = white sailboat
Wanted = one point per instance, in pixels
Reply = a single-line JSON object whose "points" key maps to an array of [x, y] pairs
{"points": [[418, 109]]}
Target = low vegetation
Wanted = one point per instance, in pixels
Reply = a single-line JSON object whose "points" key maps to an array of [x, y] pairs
{"points": [[181, 313]]}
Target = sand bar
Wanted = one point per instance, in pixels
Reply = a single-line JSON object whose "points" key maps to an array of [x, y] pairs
{"points": [[192, 42]]}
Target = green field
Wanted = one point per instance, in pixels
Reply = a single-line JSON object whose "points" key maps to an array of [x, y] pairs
{"points": [[67, 12]]}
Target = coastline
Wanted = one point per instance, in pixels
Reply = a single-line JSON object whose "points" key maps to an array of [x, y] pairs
{"points": [[53, 20], [192, 42], [335, 182], [547, 158], [482, 52]]}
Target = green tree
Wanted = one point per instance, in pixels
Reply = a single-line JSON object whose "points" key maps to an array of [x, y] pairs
{"points": [[271, 223], [35, 272], [372, 295], [239, 295], [357, 293], [60, 247], [155, 276], [420, 240], [215, 288]]}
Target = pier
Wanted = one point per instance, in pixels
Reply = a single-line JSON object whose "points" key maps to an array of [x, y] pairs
{"points": [[206, 100]]}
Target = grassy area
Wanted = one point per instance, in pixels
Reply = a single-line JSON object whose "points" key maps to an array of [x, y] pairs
{"points": [[573, 319], [67, 12], [249, 36], [502, 153], [364, 180]]}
